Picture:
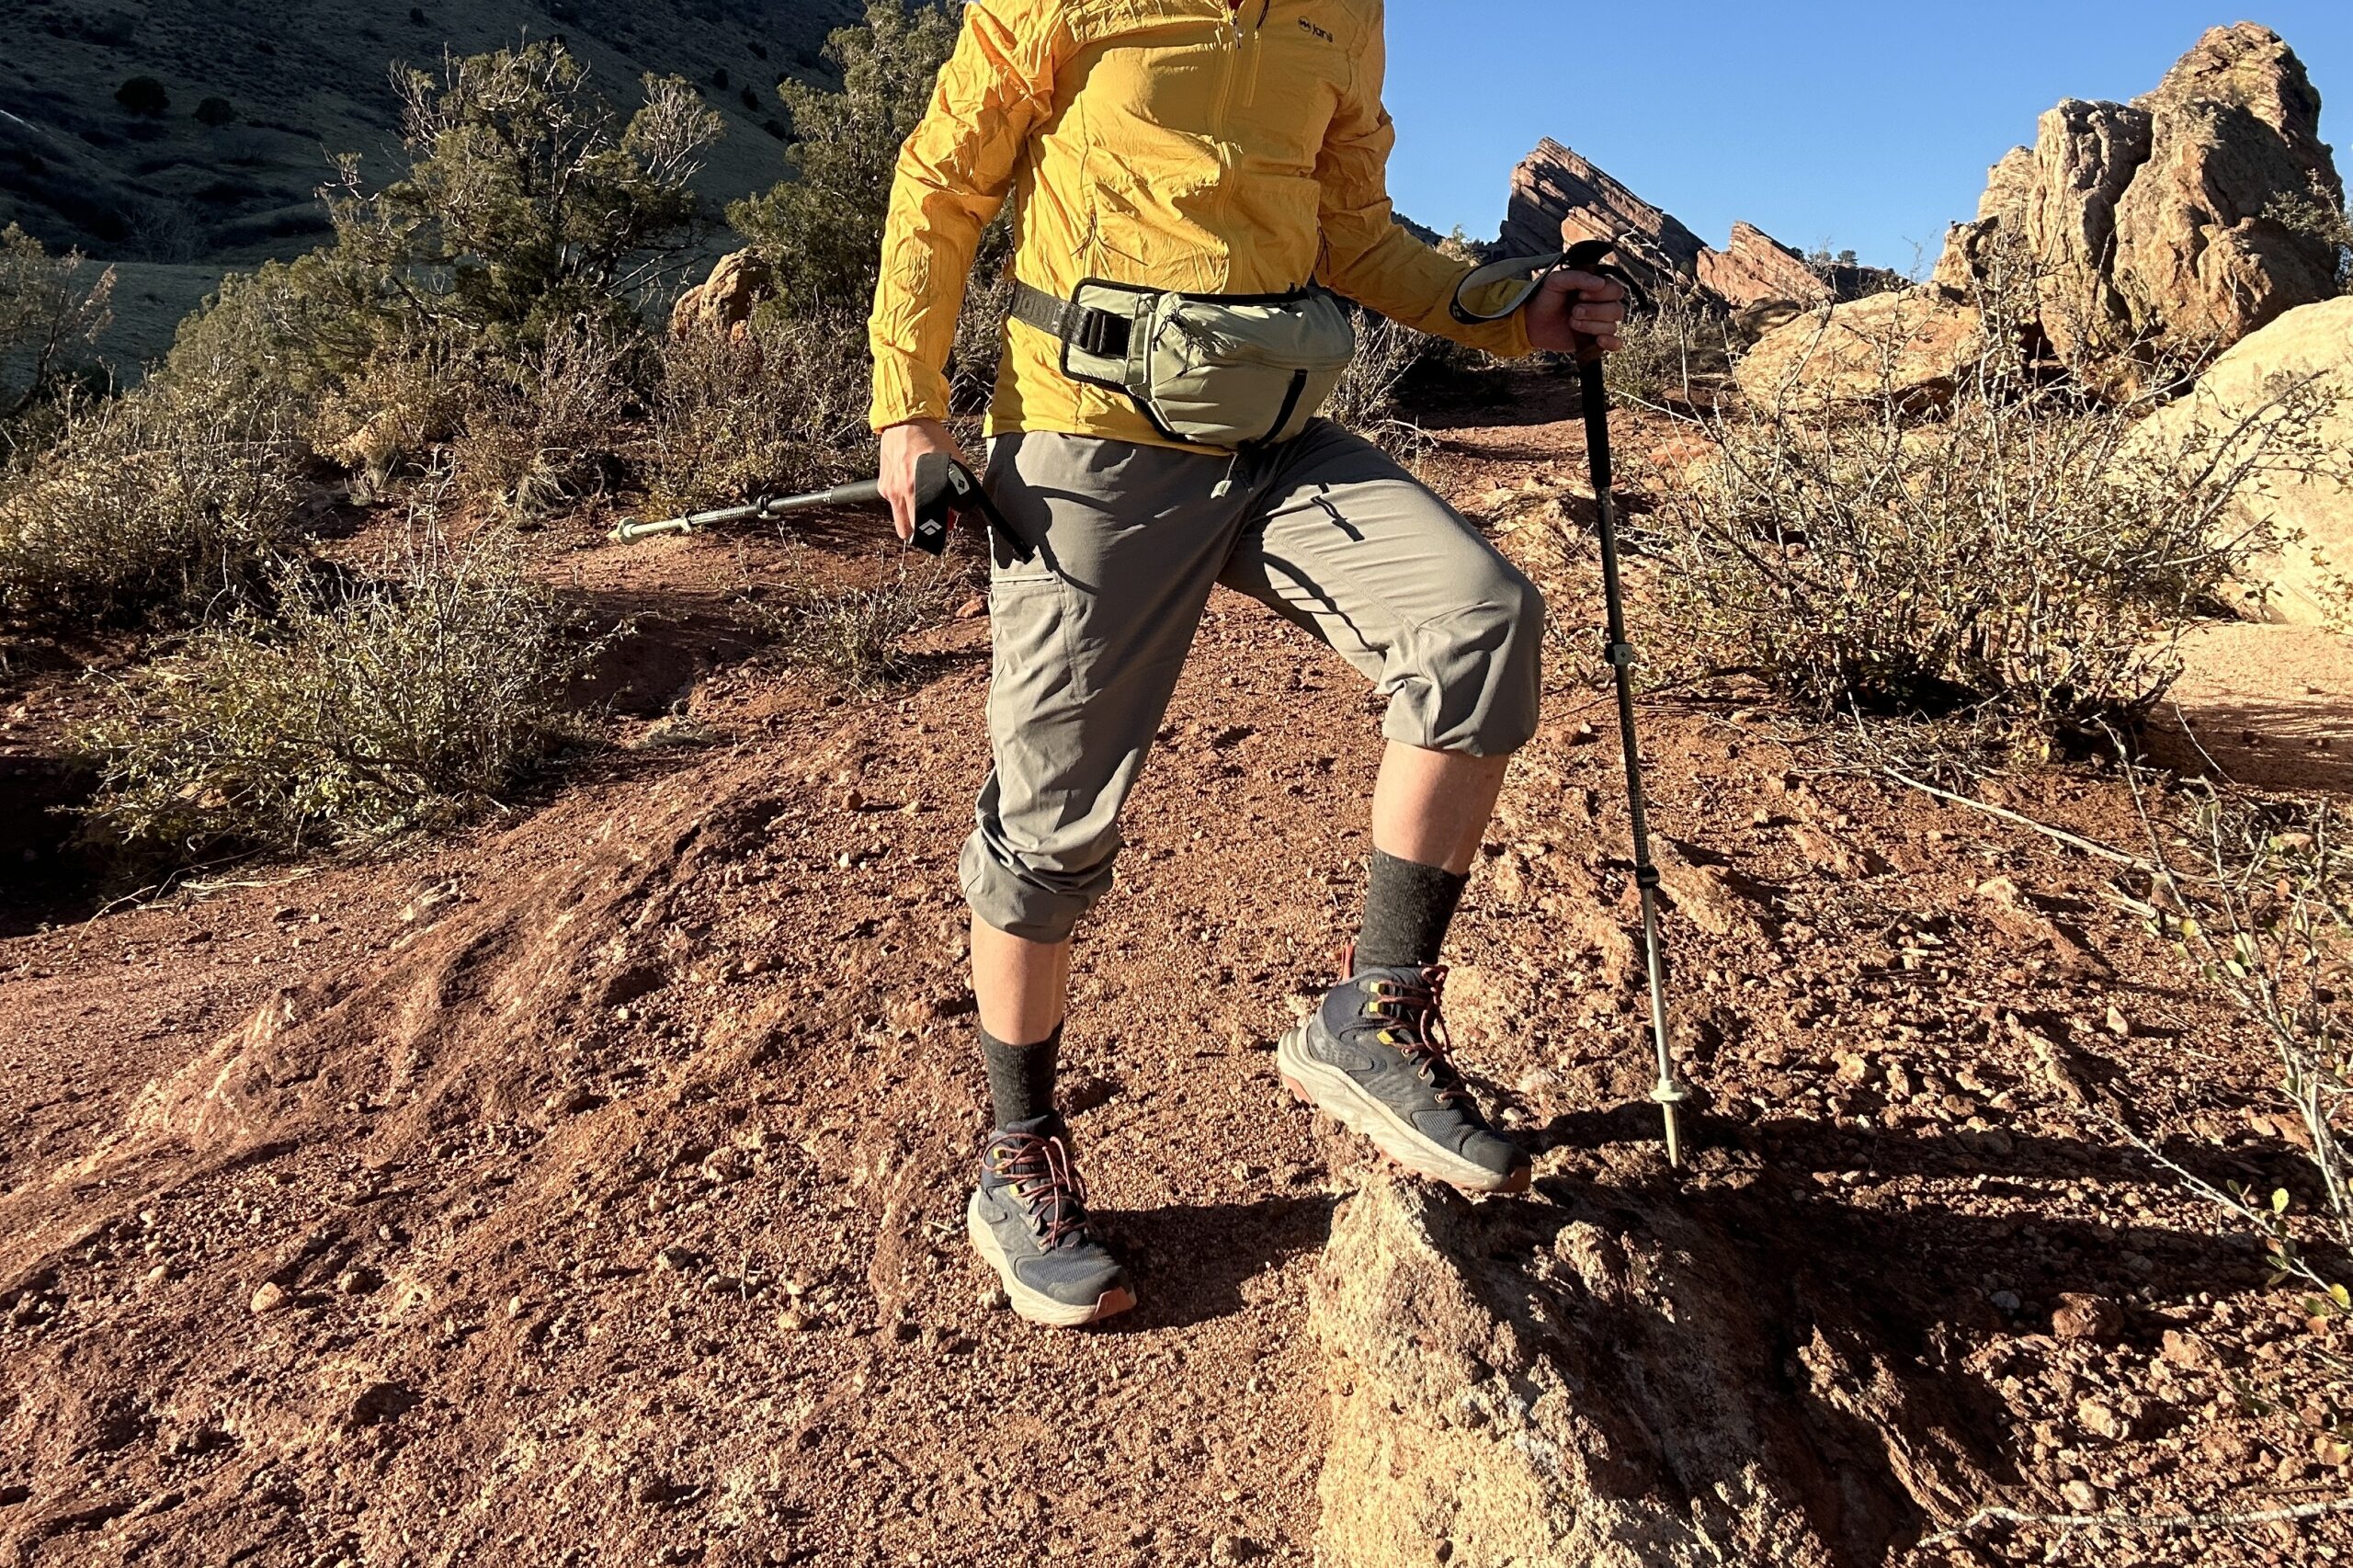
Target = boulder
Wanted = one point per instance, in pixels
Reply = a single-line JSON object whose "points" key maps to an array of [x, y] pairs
{"points": [[721, 304], [2156, 225], [2310, 580], [2235, 129], [1916, 345], [1616, 1378]]}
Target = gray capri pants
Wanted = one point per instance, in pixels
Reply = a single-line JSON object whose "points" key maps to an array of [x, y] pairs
{"points": [[1089, 634]]}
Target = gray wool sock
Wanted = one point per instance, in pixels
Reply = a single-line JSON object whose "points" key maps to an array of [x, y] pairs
{"points": [[1408, 907], [1021, 1077]]}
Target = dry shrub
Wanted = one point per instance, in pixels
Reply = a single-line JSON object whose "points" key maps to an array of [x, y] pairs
{"points": [[1366, 401], [547, 432], [367, 708], [145, 508], [393, 408], [980, 340], [779, 407], [854, 636], [2021, 554], [2268, 917], [1676, 349]]}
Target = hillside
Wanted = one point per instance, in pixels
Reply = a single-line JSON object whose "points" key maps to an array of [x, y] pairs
{"points": [[587, 1188], [256, 97]]}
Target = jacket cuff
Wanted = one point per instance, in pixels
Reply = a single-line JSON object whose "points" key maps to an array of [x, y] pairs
{"points": [[905, 389]]}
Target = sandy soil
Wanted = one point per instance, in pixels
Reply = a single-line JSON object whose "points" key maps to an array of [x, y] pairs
{"points": [[585, 1189]]}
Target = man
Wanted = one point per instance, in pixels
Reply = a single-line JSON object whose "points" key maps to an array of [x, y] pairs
{"points": [[1226, 150]]}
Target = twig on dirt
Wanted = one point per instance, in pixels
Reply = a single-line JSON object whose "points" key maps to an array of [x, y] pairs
{"points": [[2283, 1256], [2018, 819], [2141, 1521], [183, 883]]}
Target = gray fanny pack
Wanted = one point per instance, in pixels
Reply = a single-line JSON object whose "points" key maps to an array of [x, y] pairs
{"points": [[1225, 370]]}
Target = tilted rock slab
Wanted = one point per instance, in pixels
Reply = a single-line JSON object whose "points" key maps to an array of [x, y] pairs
{"points": [[1558, 196], [1617, 1379], [2155, 224]]}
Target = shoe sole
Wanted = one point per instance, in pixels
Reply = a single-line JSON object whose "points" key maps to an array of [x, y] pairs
{"points": [[1338, 1096], [1036, 1306]]}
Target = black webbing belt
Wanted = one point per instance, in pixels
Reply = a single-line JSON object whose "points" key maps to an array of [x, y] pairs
{"points": [[1099, 334]]}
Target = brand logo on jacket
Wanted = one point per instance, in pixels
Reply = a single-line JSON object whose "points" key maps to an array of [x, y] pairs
{"points": [[1306, 25]]}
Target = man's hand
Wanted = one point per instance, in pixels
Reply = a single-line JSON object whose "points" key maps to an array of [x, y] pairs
{"points": [[902, 444], [1575, 312]]}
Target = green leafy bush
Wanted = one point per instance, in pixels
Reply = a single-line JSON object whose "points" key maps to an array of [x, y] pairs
{"points": [[143, 95], [822, 230], [365, 708], [528, 200]]}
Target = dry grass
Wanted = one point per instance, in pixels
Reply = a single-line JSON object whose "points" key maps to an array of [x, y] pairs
{"points": [[854, 638]]}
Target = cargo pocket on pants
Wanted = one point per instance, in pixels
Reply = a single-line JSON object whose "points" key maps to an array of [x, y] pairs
{"points": [[1032, 639]]}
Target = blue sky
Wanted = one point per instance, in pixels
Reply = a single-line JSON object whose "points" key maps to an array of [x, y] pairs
{"points": [[1865, 125]]}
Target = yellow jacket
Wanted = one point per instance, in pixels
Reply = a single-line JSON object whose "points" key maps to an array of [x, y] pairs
{"points": [[1182, 144]]}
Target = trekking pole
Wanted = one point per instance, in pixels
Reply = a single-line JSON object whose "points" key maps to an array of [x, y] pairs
{"points": [[945, 491], [1587, 256]]}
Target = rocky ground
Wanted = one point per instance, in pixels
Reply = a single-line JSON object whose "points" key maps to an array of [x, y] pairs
{"points": [[586, 1190]]}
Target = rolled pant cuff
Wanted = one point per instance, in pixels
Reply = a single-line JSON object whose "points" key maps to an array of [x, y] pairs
{"points": [[1022, 903]]}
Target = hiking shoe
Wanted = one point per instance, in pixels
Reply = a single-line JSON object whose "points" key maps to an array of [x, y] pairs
{"points": [[1374, 1055], [1028, 1218]]}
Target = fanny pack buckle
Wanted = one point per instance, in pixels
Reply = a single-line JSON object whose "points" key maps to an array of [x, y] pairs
{"points": [[1101, 333]]}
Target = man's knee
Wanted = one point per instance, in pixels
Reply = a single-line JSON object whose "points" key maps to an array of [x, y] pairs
{"points": [[1472, 680]]}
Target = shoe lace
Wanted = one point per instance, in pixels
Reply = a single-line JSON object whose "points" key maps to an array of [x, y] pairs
{"points": [[1412, 1023], [1044, 1176]]}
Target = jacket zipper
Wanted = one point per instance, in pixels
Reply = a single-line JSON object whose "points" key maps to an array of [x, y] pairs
{"points": [[1252, 53]]}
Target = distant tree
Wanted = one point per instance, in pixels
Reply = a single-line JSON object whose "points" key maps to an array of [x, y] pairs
{"points": [[822, 229], [215, 112], [48, 312], [416, 16], [529, 200], [143, 95], [721, 79]]}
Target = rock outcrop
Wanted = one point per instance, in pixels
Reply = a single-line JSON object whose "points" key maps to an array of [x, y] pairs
{"points": [[2168, 221], [2311, 580], [1558, 196], [1755, 267], [721, 304], [1916, 345], [1622, 1384]]}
